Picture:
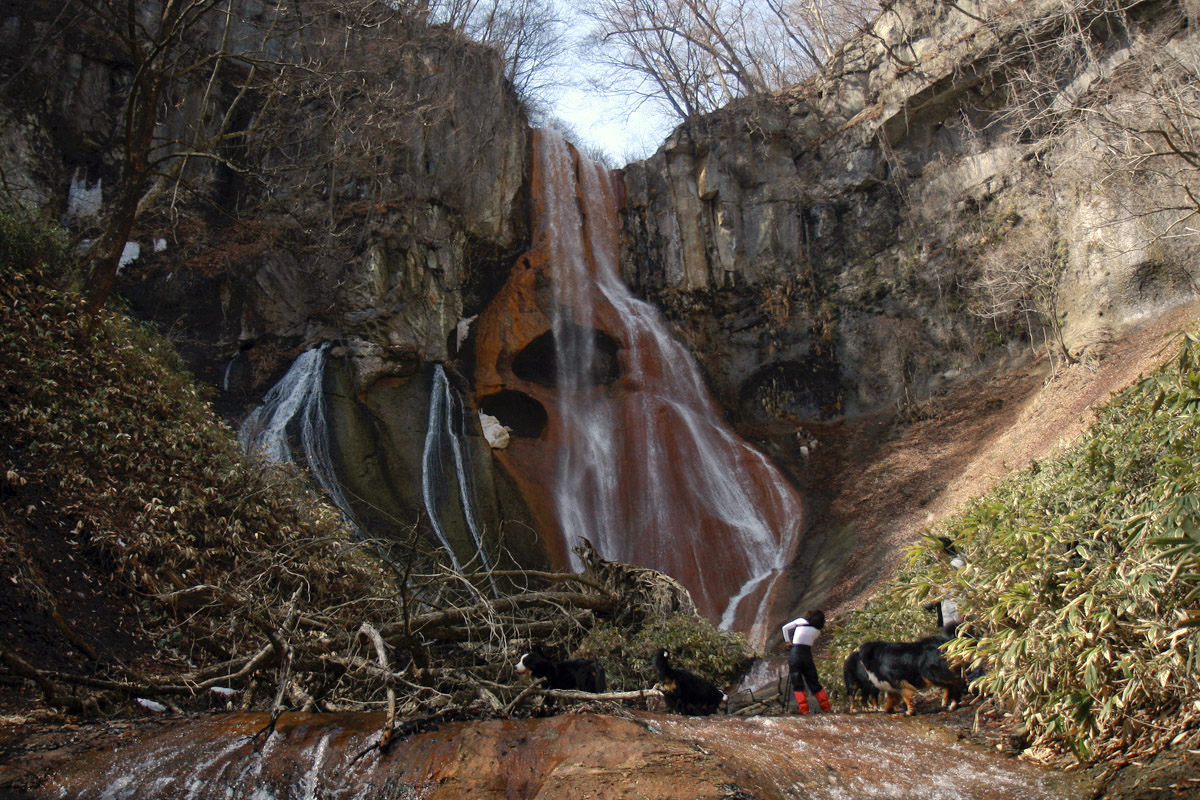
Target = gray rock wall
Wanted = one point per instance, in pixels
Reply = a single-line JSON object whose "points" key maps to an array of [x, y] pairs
{"points": [[824, 250], [377, 199], [376, 196]]}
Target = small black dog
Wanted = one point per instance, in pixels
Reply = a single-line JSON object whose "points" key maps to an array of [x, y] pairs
{"points": [[576, 673], [686, 692]]}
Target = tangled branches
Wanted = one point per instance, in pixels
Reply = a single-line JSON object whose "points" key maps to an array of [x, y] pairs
{"points": [[151, 560]]}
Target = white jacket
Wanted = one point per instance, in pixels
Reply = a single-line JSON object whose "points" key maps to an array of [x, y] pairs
{"points": [[798, 631]]}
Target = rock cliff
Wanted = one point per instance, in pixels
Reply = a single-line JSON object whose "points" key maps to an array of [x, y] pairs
{"points": [[375, 200], [938, 196]]}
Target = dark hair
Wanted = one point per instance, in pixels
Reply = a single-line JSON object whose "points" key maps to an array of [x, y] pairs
{"points": [[948, 546], [816, 618]]}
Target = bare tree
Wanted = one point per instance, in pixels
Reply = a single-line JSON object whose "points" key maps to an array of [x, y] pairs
{"points": [[670, 48], [201, 77], [815, 29], [1124, 94], [696, 55], [1019, 278], [529, 34], [1150, 140], [163, 45]]}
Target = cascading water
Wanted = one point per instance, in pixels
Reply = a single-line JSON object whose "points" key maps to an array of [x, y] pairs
{"points": [[297, 403], [295, 410], [443, 434], [647, 469], [312, 756]]}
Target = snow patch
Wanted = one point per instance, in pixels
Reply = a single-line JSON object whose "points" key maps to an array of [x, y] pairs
{"points": [[495, 433], [150, 705], [129, 254]]}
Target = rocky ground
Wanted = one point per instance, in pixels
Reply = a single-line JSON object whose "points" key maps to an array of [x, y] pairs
{"points": [[586, 751], [579, 755]]}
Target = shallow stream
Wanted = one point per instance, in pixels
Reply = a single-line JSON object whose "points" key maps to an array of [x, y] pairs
{"points": [[636, 755]]}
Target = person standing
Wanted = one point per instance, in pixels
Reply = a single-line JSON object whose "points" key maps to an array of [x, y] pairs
{"points": [[800, 633], [949, 614]]}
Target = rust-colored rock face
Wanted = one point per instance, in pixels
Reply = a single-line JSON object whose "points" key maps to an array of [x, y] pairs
{"points": [[574, 756], [615, 437]]}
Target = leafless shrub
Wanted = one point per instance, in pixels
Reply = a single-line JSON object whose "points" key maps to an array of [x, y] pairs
{"points": [[1018, 280], [530, 34], [1149, 140], [693, 56], [1127, 88]]}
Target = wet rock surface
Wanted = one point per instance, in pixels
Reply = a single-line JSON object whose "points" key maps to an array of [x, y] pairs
{"points": [[641, 755]]}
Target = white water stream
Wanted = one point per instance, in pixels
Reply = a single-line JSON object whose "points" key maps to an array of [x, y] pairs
{"points": [[294, 410], [445, 433], [311, 757], [297, 403], [655, 476]]}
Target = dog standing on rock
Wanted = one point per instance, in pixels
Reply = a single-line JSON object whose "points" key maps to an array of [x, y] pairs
{"points": [[859, 682], [901, 668], [577, 673], [686, 692]]}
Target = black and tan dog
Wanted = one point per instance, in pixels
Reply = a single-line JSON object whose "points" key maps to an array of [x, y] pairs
{"points": [[578, 673], [686, 692], [901, 668]]}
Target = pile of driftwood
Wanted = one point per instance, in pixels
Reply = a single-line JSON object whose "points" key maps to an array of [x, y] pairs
{"points": [[440, 644]]}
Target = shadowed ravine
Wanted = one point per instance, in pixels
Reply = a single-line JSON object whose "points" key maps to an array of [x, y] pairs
{"points": [[643, 755]]}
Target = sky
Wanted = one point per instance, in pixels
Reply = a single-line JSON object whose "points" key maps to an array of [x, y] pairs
{"points": [[609, 124], [598, 119]]}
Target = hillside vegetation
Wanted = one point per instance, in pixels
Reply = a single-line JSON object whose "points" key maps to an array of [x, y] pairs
{"points": [[183, 552], [1082, 581]]}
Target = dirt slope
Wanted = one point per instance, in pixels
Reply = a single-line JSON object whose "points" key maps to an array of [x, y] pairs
{"points": [[881, 481]]}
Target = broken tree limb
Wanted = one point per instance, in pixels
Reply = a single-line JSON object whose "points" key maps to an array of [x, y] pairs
{"points": [[449, 617], [553, 577], [571, 694], [280, 643], [526, 630], [536, 688], [20, 666], [196, 597], [516, 701], [385, 735]]}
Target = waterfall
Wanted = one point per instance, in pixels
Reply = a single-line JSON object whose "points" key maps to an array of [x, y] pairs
{"points": [[648, 469], [294, 410], [228, 372], [296, 407], [445, 432]]}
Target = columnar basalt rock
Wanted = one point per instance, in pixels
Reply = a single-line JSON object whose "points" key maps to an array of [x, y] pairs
{"points": [[820, 249]]}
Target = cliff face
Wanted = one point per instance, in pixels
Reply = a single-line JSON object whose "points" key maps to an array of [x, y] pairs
{"points": [[372, 196], [379, 217], [955, 186], [939, 196]]}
